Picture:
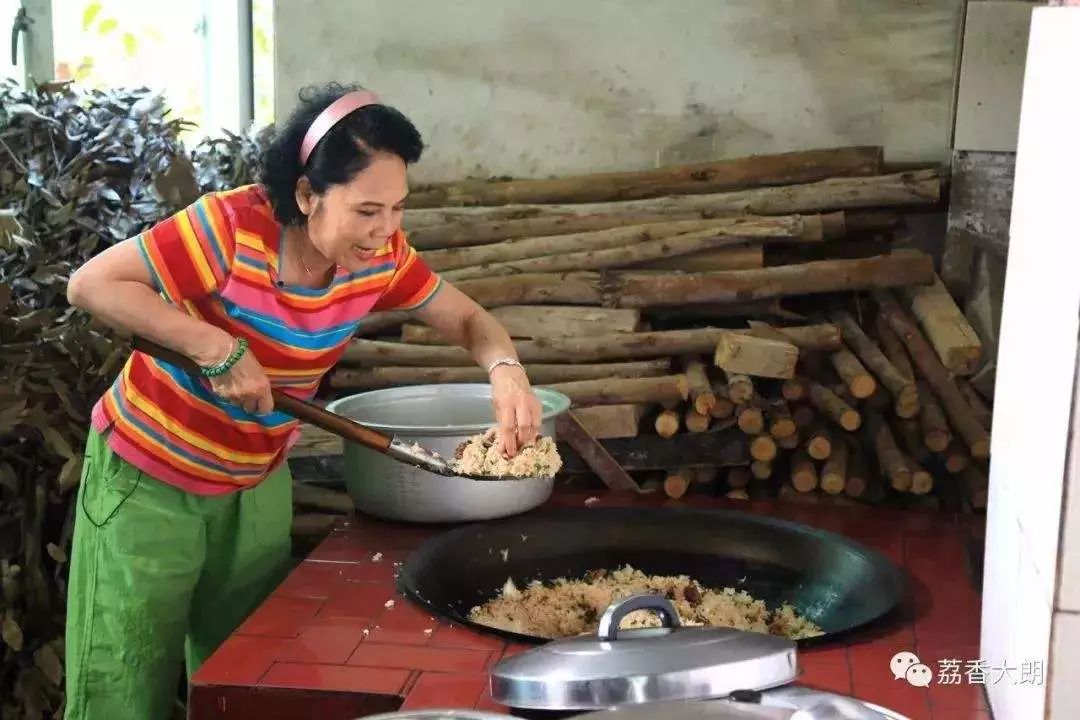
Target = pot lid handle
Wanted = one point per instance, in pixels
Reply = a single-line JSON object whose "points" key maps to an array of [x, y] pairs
{"points": [[609, 622]]}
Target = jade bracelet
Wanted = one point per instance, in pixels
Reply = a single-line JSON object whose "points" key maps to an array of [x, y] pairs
{"points": [[227, 364]]}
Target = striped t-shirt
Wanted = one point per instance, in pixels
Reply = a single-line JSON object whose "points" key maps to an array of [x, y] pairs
{"points": [[218, 260]]}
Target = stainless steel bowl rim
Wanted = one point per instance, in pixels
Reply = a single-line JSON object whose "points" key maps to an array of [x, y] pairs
{"points": [[554, 403]]}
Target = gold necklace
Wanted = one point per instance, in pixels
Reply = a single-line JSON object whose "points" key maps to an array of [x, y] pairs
{"points": [[303, 261]]}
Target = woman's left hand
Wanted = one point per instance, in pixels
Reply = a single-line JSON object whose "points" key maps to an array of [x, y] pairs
{"points": [[517, 409]]}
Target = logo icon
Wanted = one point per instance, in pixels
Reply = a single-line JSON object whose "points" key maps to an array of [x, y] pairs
{"points": [[919, 675], [901, 662]]}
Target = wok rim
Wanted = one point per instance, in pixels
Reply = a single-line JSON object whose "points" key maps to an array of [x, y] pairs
{"points": [[886, 616], [553, 402]]}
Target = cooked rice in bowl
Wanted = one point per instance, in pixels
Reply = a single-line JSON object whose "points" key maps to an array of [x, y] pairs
{"points": [[566, 608], [482, 455]]}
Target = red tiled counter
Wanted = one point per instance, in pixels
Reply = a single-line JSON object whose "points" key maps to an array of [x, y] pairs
{"points": [[335, 641]]}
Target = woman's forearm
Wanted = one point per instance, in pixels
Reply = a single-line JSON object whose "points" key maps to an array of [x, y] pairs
{"points": [[486, 339], [135, 308]]}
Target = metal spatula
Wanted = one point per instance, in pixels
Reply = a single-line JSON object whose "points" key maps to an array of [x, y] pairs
{"points": [[408, 453]]}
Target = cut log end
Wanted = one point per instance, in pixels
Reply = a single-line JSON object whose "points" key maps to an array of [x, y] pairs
{"points": [[850, 420], [677, 483], [793, 390], [740, 388], [819, 447], [723, 408], [937, 440], [782, 427], [738, 477], [922, 482], [751, 420], [763, 448], [696, 422], [907, 402], [667, 423], [804, 477], [855, 486], [761, 469]]}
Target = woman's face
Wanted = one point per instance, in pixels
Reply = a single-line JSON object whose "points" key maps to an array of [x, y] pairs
{"points": [[349, 222]]}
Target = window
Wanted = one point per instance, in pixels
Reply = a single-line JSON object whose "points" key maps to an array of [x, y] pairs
{"points": [[211, 59], [9, 10]]}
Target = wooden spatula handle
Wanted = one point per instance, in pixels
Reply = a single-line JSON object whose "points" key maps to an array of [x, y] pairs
{"points": [[300, 409]]}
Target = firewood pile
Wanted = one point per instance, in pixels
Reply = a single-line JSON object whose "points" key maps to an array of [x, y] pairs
{"points": [[752, 327]]}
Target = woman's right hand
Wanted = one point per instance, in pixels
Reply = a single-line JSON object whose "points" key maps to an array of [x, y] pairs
{"points": [[246, 385]]}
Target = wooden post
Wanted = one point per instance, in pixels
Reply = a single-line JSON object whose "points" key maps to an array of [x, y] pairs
{"points": [[804, 477], [621, 391], [629, 289], [723, 407], [738, 478], [834, 472], [693, 178], [976, 486], [667, 423], [793, 390], [761, 469], [678, 482], [750, 355], [902, 388], [819, 442], [781, 424], [935, 429], [539, 374], [621, 256], [959, 412], [956, 458], [894, 349], [978, 406], [827, 402], [918, 187], [701, 393], [751, 419], [763, 448], [740, 387], [949, 332], [451, 261], [696, 422], [610, 421], [922, 482], [859, 382], [529, 322], [596, 456], [893, 463]]}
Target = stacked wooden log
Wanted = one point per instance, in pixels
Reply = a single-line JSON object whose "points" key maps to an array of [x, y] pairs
{"points": [[744, 326]]}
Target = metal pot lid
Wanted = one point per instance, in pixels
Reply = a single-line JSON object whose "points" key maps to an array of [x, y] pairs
{"points": [[625, 667], [433, 714], [802, 704]]}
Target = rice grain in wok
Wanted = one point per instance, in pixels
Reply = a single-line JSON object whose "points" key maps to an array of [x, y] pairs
{"points": [[565, 607]]}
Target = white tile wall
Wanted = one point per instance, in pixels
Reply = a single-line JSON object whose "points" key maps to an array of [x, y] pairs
{"points": [[1068, 597], [1038, 345], [1064, 681]]}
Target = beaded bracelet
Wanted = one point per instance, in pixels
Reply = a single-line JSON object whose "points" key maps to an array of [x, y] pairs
{"points": [[227, 364]]}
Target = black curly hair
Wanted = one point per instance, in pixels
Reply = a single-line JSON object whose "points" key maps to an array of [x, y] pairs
{"points": [[342, 153]]}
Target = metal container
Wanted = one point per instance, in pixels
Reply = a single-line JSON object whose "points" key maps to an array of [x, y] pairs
{"points": [[614, 667], [438, 417], [673, 671]]}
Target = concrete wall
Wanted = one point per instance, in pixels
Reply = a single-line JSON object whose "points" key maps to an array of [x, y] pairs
{"points": [[511, 87]]}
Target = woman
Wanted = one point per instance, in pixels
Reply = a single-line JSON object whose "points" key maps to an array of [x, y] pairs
{"points": [[184, 509]]}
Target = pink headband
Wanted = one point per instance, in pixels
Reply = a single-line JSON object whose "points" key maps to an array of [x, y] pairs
{"points": [[330, 117]]}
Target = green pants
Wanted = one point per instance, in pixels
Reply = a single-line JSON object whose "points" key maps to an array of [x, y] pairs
{"points": [[157, 573]]}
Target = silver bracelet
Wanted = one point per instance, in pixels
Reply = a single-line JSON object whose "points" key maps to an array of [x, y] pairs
{"points": [[503, 361]]}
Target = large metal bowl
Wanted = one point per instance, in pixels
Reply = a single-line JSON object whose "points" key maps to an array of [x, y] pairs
{"points": [[438, 417]]}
